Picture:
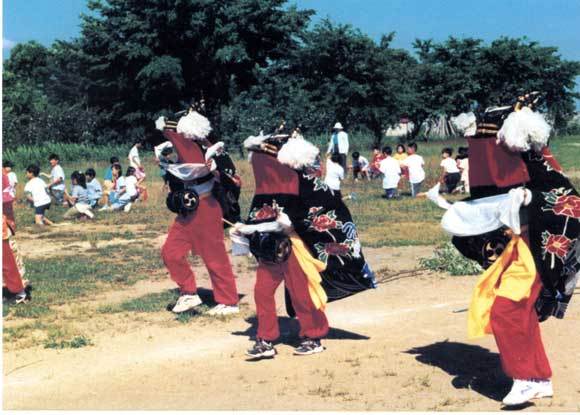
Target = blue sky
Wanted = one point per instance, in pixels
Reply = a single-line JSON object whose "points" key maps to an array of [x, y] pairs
{"points": [[550, 22]]}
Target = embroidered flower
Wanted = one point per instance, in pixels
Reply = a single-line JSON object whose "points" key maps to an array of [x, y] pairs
{"points": [[557, 245], [323, 223], [568, 205], [266, 212], [335, 248]]}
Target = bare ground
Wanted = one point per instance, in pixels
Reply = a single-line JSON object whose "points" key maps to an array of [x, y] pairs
{"points": [[400, 347]]}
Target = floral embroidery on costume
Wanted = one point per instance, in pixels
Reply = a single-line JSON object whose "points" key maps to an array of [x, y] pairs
{"points": [[266, 212], [561, 202], [337, 249], [315, 174], [556, 245]]}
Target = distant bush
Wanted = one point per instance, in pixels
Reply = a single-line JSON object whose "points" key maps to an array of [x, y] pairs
{"points": [[68, 152], [447, 258]]}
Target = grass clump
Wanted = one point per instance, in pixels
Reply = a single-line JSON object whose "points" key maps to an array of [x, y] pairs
{"points": [[446, 258], [149, 303], [76, 342]]}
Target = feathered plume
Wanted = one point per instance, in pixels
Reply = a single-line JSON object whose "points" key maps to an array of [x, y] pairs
{"points": [[525, 129], [194, 125], [466, 123], [298, 154], [160, 123]]}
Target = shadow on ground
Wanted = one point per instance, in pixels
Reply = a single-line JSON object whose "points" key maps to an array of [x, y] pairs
{"points": [[473, 367], [289, 328]]}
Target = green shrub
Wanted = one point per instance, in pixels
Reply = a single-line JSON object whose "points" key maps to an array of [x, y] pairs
{"points": [[447, 258]]}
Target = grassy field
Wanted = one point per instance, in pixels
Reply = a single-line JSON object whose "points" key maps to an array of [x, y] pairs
{"points": [[117, 249]]}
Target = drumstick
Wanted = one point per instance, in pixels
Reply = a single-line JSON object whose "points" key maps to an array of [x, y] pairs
{"points": [[228, 222]]}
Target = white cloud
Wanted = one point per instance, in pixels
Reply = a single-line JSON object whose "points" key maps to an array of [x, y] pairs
{"points": [[8, 44]]}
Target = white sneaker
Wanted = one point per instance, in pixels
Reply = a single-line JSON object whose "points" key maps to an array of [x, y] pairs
{"points": [[224, 310], [104, 208], [127, 207], [524, 390], [186, 302]]}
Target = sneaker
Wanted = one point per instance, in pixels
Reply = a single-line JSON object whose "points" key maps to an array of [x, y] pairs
{"points": [[20, 297], [224, 310], [309, 346], [262, 350], [104, 208], [186, 302], [524, 390], [127, 207]]}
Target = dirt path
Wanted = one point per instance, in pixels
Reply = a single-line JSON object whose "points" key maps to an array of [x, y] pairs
{"points": [[400, 347]]}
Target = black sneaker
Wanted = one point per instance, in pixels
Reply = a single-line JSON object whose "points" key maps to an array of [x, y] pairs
{"points": [[262, 350], [309, 346]]}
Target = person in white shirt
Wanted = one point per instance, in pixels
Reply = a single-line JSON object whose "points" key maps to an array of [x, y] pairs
{"points": [[334, 174], [391, 170], [56, 185], [7, 167], [360, 165], [463, 164], [37, 194], [127, 192], [339, 144], [414, 164], [450, 175], [135, 161]]}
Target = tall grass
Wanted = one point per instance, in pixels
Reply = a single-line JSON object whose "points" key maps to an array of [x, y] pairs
{"points": [[22, 156]]}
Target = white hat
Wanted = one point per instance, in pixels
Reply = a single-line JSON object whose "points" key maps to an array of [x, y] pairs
{"points": [[337, 126]]}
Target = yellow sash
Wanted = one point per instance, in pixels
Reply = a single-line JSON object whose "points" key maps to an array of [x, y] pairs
{"points": [[517, 271], [312, 267]]}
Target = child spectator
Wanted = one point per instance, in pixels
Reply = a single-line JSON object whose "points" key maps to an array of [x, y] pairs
{"points": [[93, 187], [360, 165], [7, 167], [401, 153], [450, 174], [392, 173], [378, 156], [135, 160], [463, 165], [37, 194], [164, 156], [126, 192], [414, 163], [78, 200], [334, 173], [108, 178], [56, 185]]}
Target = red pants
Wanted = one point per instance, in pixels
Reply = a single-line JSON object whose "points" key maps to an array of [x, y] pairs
{"points": [[10, 274], [313, 322], [517, 334], [201, 232]]}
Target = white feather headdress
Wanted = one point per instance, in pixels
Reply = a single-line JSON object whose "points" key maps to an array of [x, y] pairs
{"points": [[194, 126], [255, 140], [465, 123], [298, 153], [525, 129]]}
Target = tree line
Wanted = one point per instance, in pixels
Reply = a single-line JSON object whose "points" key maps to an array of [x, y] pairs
{"points": [[254, 63]]}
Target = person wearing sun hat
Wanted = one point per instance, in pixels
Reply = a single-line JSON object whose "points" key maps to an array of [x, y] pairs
{"points": [[339, 144], [521, 223], [198, 226]]}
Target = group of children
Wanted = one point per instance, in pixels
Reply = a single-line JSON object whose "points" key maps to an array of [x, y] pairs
{"points": [[86, 192], [404, 163]]}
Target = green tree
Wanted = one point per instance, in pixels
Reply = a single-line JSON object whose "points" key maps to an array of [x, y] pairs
{"points": [[148, 55]]}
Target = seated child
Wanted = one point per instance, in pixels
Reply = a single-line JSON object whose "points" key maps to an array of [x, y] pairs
{"points": [[374, 168], [37, 194], [126, 192], [360, 165], [93, 187], [450, 174], [78, 199]]}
